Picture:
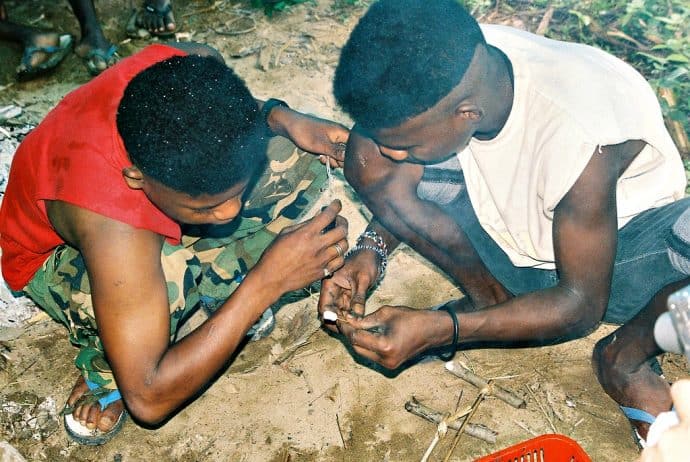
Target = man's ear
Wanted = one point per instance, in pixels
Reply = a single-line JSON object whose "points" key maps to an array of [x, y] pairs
{"points": [[133, 177], [469, 111]]}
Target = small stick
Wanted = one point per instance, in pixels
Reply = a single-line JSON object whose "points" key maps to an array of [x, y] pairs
{"points": [[332, 316], [340, 431], [525, 428], [479, 382], [480, 397], [477, 431], [548, 419]]}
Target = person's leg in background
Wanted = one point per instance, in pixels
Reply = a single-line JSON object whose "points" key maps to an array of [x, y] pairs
{"points": [[94, 49], [43, 50]]}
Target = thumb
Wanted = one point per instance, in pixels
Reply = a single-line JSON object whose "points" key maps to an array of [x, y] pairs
{"points": [[680, 391]]}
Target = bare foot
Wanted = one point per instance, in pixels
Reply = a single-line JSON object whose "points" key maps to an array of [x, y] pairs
{"points": [[39, 40], [157, 17], [90, 415], [98, 54], [637, 387]]}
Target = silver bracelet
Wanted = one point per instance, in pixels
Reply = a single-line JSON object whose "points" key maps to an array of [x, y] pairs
{"points": [[379, 248], [374, 236]]}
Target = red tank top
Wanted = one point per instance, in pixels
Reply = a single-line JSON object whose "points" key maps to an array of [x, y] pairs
{"points": [[75, 155]]}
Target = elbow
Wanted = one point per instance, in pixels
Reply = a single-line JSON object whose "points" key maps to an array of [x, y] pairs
{"points": [[584, 319], [149, 411], [584, 326]]}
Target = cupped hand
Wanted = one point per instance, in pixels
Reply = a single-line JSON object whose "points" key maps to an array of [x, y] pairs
{"points": [[346, 291], [393, 334], [304, 253]]}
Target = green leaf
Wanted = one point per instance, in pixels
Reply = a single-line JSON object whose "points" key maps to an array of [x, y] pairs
{"points": [[678, 58]]}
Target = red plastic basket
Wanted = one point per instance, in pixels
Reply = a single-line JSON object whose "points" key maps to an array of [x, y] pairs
{"points": [[544, 448]]}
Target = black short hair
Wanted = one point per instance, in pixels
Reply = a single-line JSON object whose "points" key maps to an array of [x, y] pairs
{"points": [[190, 123], [402, 58]]}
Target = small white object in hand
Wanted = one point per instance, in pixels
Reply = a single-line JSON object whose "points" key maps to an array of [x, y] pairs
{"points": [[330, 316]]}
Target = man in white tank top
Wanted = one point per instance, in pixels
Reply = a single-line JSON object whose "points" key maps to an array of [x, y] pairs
{"points": [[537, 174]]}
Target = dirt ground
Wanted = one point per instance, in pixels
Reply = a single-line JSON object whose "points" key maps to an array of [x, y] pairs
{"points": [[277, 402]]}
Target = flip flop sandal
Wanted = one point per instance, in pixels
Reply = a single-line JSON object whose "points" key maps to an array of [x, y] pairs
{"points": [[94, 437], [135, 30], [94, 56], [55, 54], [634, 414]]}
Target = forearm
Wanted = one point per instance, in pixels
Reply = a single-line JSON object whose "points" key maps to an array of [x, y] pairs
{"points": [[187, 366], [436, 236], [546, 316], [549, 316]]}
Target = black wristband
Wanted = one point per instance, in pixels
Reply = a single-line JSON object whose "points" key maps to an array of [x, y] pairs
{"points": [[452, 348], [266, 111]]}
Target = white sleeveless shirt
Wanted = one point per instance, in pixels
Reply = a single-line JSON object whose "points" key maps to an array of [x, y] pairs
{"points": [[570, 99]]}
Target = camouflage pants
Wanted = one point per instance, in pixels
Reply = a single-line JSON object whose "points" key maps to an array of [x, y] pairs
{"points": [[208, 265]]}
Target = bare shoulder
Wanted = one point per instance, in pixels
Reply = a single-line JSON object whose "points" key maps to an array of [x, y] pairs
{"points": [[365, 166], [89, 231]]}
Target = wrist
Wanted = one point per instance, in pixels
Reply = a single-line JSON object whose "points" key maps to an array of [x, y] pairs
{"points": [[273, 114], [451, 331], [371, 241]]}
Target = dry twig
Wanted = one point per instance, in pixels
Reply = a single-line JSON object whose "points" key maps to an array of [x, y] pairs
{"points": [[676, 128], [548, 419], [545, 21], [480, 397], [340, 431], [478, 431], [479, 382]]}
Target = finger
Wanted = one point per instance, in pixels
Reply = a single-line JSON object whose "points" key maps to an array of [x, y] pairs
{"points": [[337, 250], [650, 454], [370, 355], [367, 340], [359, 295], [680, 391], [337, 234], [325, 217], [338, 151], [376, 322], [358, 304]]}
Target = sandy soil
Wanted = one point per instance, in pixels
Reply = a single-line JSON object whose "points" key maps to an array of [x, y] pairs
{"points": [[319, 403]]}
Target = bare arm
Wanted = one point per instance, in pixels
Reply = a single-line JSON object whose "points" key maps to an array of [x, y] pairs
{"points": [[389, 189], [132, 311], [585, 237]]}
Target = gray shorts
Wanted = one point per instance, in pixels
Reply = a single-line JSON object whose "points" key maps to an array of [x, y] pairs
{"points": [[653, 248]]}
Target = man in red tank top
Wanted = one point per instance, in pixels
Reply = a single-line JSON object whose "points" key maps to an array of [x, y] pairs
{"points": [[98, 200]]}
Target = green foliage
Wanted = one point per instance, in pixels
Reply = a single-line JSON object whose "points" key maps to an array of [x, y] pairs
{"points": [[652, 35], [273, 6]]}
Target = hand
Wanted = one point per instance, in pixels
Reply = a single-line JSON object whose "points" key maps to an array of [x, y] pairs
{"points": [[346, 291], [303, 253], [311, 134], [674, 443], [394, 334]]}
